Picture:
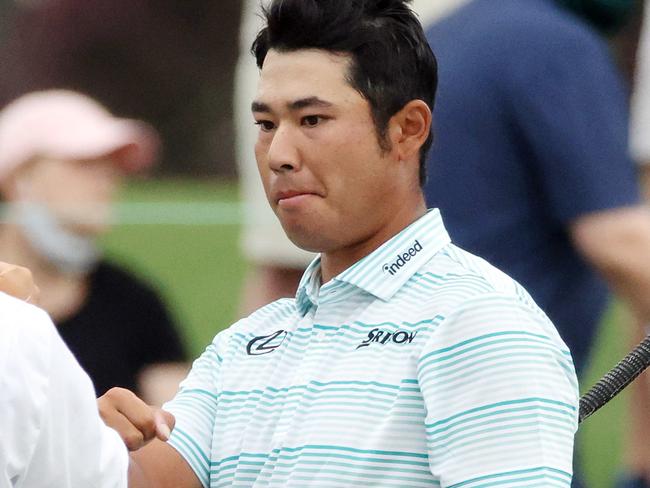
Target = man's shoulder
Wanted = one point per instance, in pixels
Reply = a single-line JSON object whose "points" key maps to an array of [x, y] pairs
{"points": [[468, 276], [455, 265], [476, 292], [277, 310], [264, 319]]}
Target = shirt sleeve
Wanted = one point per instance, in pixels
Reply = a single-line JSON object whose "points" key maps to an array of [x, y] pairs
{"points": [[501, 397], [570, 103], [195, 409], [51, 400]]}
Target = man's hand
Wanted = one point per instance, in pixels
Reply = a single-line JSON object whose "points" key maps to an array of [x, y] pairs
{"points": [[158, 463], [18, 282], [135, 421]]}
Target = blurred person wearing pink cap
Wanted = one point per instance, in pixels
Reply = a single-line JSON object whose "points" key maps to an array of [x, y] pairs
{"points": [[62, 158]]}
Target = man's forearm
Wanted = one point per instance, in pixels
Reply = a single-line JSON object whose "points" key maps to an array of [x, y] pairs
{"points": [[629, 278], [617, 243], [137, 477]]}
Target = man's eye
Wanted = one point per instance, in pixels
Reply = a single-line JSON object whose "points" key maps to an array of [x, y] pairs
{"points": [[265, 125], [311, 120]]}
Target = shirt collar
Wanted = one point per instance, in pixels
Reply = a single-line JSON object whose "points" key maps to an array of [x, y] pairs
{"points": [[386, 269], [307, 294]]}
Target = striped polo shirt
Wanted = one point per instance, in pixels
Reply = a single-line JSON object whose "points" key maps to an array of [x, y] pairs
{"points": [[420, 365]]}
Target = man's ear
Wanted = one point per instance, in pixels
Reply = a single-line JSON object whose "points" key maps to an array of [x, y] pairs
{"points": [[409, 129]]}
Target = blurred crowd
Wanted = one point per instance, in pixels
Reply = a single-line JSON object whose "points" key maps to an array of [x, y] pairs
{"points": [[170, 63], [540, 164]]}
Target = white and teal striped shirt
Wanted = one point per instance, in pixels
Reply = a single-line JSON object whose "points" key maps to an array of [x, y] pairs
{"points": [[420, 365]]}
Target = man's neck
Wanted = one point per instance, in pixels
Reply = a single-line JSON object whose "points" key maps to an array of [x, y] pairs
{"points": [[335, 262]]}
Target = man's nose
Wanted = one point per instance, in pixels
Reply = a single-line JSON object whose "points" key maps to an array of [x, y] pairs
{"points": [[283, 154]]}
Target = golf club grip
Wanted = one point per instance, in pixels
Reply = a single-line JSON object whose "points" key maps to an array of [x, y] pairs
{"points": [[616, 379]]}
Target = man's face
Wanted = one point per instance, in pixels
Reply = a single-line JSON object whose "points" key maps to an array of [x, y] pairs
{"points": [[79, 193], [324, 173]]}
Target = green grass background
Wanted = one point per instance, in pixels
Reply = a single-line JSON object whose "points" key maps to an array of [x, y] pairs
{"points": [[199, 270]]}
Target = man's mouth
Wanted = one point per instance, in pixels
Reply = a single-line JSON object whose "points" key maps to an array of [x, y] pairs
{"points": [[289, 198]]}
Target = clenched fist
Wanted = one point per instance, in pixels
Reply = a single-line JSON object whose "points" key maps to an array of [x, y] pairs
{"points": [[135, 421]]}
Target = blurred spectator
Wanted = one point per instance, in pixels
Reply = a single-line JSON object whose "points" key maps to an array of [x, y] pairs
{"points": [[52, 434], [62, 156], [168, 62], [276, 264], [637, 455], [640, 107], [531, 166]]}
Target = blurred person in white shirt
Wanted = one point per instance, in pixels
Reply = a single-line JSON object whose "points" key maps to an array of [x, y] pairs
{"points": [[52, 436]]}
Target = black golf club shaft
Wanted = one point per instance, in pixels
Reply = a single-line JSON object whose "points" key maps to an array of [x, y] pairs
{"points": [[616, 379]]}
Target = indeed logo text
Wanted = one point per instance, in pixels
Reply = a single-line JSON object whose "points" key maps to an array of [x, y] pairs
{"points": [[402, 259]]}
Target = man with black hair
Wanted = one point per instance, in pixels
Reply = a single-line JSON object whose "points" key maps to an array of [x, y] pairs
{"points": [[403, 360], [275, 264]]}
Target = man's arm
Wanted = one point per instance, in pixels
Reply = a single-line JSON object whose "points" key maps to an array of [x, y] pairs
{"points": [[153, 463], [617, 243], [183, 461], [158, 465], [143, 473], [501, 396]]}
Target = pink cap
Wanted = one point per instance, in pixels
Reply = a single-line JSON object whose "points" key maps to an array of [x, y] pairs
{"points": [[64, 124]]}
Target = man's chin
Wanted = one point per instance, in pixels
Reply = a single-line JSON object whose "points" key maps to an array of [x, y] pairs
{"points": [[306, 240], [307, 245]]}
